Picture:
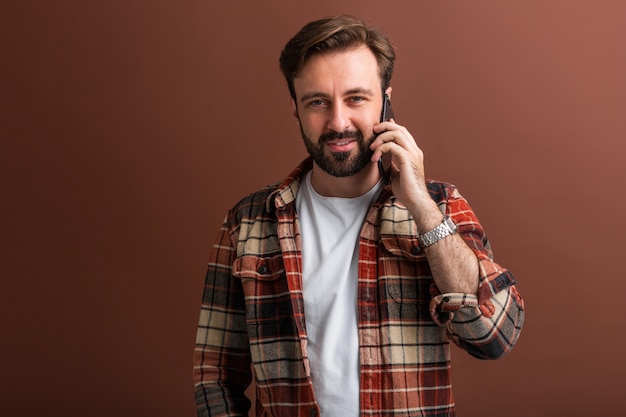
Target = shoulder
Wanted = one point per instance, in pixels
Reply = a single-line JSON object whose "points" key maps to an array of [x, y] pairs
{"points": [[442, 191], [253, 205], [262, 204]]}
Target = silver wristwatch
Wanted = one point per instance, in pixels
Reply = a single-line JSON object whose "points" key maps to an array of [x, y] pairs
{"points": [[446, 228]]}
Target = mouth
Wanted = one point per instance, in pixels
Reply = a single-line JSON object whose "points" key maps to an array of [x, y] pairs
{"points": [[341, 145]]}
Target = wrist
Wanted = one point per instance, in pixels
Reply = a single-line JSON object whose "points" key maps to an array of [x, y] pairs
{"points": [[426, 215], [442, 230]]}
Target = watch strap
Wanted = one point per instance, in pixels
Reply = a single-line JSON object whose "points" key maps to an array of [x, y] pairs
{"points": [[446, 228]]}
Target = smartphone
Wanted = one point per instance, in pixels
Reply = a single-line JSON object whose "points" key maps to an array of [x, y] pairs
{"points": [[386, 114]]}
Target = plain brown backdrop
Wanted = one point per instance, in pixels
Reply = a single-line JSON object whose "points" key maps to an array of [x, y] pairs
{"points": [[130, 127]]}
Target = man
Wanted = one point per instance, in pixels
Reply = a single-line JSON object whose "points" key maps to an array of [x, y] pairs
{"points": [[341, 286]]}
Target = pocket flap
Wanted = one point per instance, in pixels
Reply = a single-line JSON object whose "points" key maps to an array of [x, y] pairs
{"points": [[403, 246], [266, 268]]}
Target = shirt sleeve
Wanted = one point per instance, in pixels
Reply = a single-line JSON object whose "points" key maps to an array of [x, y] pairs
{"points": [[221, 358], [487, 324]]}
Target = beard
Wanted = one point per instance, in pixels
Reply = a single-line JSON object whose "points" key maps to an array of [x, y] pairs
{"points": [[340, 164]]}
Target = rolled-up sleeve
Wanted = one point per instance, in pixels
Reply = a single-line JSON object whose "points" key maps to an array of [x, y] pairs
{"points": [[486, 324]]}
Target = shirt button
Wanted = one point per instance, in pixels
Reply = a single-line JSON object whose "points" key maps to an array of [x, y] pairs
{"points": [[415, 250], [262, 269], [313, 412]]}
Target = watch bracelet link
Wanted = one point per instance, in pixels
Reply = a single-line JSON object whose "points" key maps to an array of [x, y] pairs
{"points": [[446, 228]]}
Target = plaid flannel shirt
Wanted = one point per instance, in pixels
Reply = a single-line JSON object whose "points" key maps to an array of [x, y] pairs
{"points": [[252, 314]]}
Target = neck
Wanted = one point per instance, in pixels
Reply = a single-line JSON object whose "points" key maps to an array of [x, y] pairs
{"points": [[345, 187]]}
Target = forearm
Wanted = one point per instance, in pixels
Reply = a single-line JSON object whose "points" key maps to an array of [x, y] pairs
{"points": [[453, 264], [486, 321]]}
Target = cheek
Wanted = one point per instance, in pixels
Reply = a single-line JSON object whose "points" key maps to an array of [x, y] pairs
{"points": [[366, 120], [366, 127], [311, 125], [306, 132]]}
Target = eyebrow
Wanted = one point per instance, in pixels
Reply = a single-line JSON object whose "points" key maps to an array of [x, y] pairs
{"points": [[358, 90]]}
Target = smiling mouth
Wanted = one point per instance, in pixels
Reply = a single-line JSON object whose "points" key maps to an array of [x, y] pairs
{"points": [[342, 145]]}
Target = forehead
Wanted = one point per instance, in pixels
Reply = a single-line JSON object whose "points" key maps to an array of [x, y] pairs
{"points": [[347, 69]]}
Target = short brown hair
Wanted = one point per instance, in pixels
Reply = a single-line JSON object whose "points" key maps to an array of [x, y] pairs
{"points": [[335, 34]]}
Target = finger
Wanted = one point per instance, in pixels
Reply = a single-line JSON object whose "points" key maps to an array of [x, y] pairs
{"points": [[390, 148], [390, 137], [385, 125], [380, 149]]}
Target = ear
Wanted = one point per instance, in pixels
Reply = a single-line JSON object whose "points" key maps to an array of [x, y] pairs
{"points": [[388, 91], [294, 107]]}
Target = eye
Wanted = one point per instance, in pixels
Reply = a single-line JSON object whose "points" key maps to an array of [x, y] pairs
{"points": [[356, 99], [317, 103]]}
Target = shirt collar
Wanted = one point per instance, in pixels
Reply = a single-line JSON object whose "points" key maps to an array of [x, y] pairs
{"points": [[287, 190]]}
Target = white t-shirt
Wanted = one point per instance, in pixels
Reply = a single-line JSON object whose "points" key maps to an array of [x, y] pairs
{"points": [[330, 231]]}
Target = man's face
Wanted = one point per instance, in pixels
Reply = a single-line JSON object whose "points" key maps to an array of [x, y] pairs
{"points": [[338, 100]]}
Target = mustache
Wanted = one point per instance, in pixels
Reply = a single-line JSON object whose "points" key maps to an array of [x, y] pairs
{"points": [[348, 134]]}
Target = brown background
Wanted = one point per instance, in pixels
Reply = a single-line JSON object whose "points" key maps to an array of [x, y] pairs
{"points": [[129, 127]]}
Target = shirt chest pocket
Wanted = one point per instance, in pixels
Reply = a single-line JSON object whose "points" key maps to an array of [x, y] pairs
{"points": [[406, 276], [269, 311]]}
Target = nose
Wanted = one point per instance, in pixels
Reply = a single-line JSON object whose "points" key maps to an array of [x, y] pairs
{"points": [[339, 119]]}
